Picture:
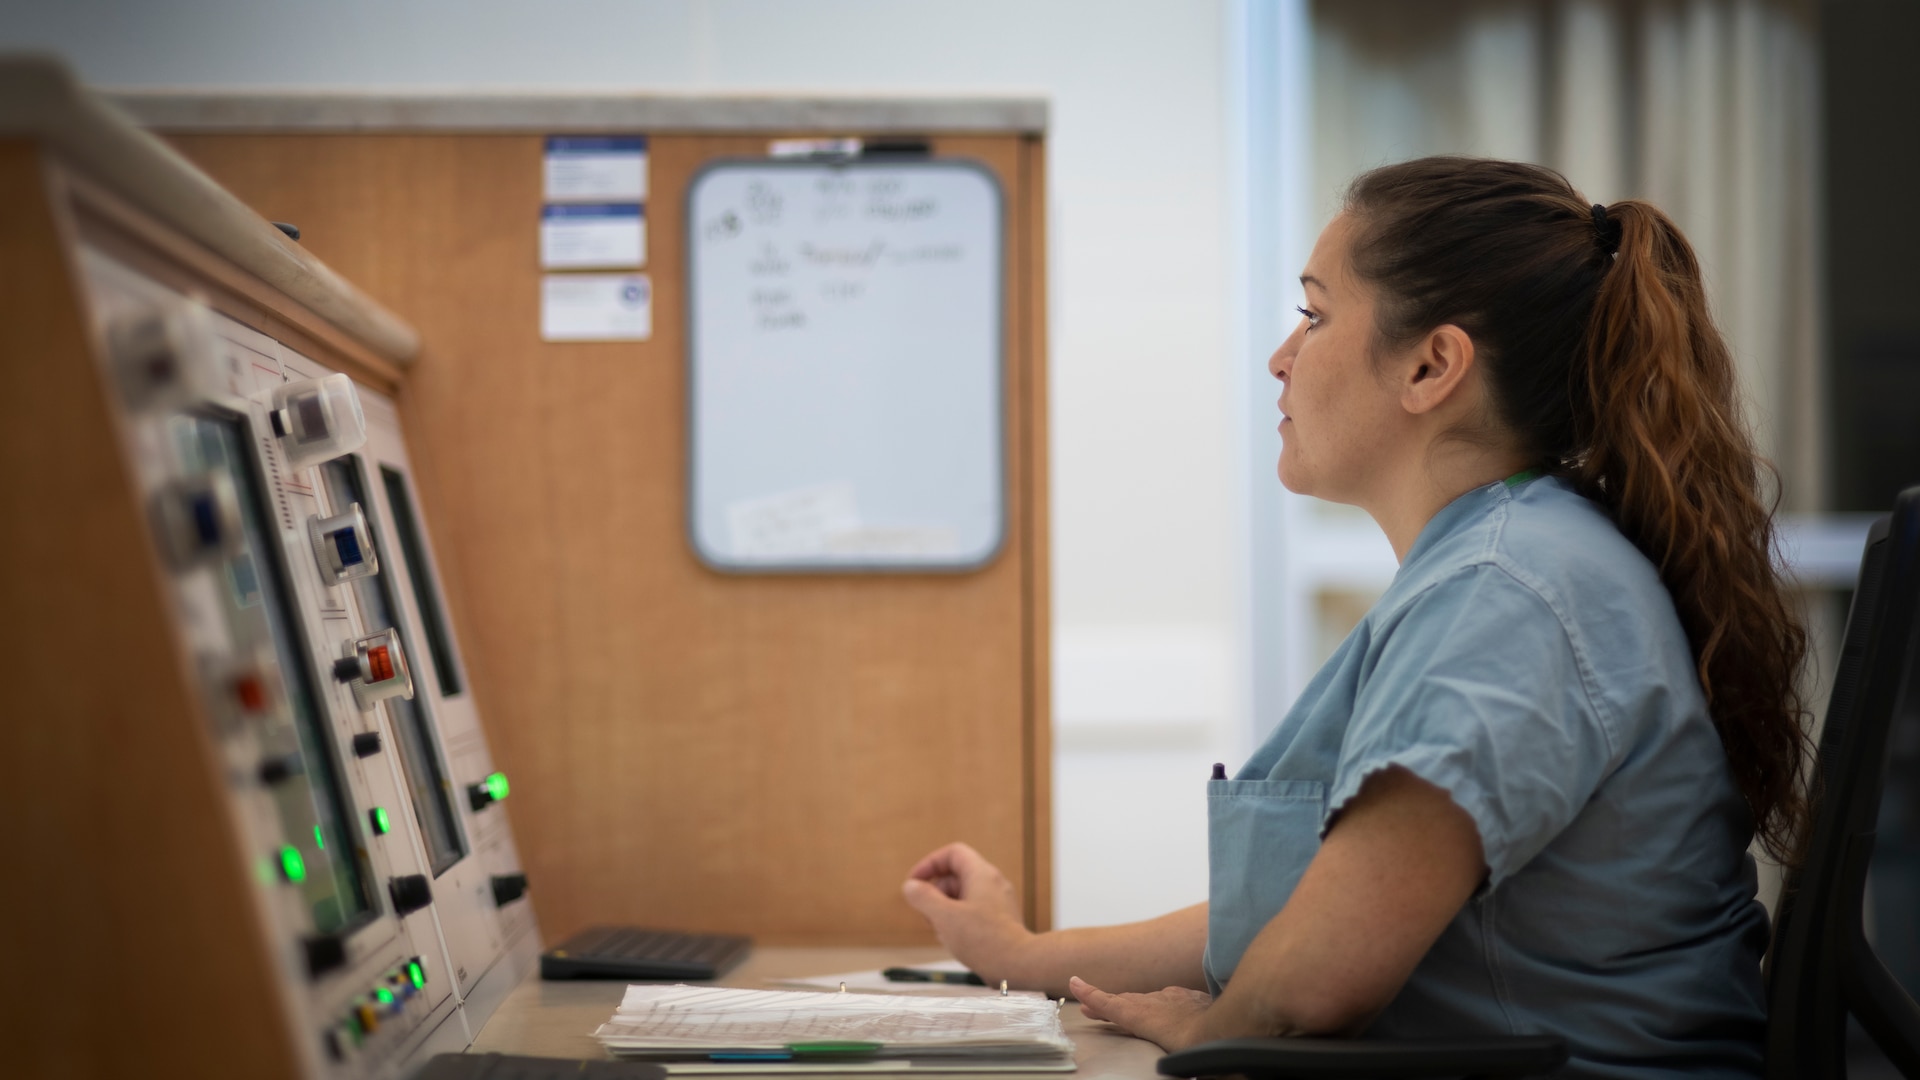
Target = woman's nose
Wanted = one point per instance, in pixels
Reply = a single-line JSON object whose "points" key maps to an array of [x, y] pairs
{"points": [[1280, 364]]}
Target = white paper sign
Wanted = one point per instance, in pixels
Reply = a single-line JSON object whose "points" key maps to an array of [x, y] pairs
{"points": [[596, 307], [596, 168], [592, 236]]}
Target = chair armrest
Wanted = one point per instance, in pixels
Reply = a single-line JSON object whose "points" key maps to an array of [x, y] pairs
{"points": [[1400, 1059]]}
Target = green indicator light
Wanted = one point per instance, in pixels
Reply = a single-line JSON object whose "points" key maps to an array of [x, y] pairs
{"points": [[292, 865], [497, 785], [319, 841], [416, 974], [378, 815], [385, 995]]}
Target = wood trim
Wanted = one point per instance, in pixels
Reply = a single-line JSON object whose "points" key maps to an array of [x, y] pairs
{"points": [[115, 226], [1031, 236], [41, 100], [654, 112]]}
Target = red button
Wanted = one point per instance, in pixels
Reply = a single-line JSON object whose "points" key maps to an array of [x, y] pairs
{"points": [[253, 696], [380, 663]]}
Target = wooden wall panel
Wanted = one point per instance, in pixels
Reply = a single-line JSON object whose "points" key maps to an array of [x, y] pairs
{"points": [[762, 754]]}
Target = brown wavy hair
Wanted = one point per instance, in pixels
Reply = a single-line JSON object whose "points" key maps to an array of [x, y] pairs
{"points": [[1602, 362]]}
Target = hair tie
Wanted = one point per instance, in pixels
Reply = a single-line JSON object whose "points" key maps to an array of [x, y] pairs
{"points": [[1608, 230]]}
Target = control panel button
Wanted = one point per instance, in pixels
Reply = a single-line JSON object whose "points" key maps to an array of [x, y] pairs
{"points": [[293, 867], [324, 953], [409, 893], [342, 546], [367, 1017], [378, 821], [366, 743], [318, 419], [375, 667], [277, 770], [165, 357], [508, 887], [199, 519]]}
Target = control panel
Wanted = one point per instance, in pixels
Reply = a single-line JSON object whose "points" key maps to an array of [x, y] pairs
{"points": [[298, 570]]}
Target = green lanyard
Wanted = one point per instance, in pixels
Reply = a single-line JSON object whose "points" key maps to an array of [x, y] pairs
{"points": [[1521, 477]]}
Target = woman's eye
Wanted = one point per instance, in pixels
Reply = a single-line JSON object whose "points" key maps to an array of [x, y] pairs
{"points": [[1312, 319]]}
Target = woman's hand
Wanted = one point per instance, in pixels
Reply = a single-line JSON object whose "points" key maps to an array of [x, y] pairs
{"points": [[1172, 1018], [974, 910]]}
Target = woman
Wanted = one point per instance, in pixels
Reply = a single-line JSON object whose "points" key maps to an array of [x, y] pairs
{"points": [[1519, 797]]}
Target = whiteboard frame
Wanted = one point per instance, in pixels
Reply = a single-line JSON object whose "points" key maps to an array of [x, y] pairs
{"points": [[726, 563]]}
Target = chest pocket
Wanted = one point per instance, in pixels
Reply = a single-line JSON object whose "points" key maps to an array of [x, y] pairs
{"points": [[1261, 834]]}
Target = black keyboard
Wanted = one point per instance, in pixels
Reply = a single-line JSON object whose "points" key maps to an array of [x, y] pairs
{"points": [[625, 952]]}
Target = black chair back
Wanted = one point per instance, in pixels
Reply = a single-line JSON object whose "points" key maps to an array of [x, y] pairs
{"points": [[1821, 968]]}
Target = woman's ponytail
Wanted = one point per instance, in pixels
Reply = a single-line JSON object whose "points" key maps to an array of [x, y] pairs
{"points": [[1601, 359], [1662, 445]]}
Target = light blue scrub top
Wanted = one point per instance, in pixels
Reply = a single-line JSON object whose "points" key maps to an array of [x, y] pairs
{"points": [[1528, 660]]}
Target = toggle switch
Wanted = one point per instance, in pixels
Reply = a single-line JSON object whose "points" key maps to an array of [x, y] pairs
{"points": [[508, 887], [317, 419], [199, 519], [375, 667], [366, 743], [409, 893], [342, 546]]}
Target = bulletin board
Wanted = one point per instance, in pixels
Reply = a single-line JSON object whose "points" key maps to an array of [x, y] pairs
{"points": [[845, 365]]}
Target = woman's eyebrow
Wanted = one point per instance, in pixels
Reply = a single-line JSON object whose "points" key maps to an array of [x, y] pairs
{"points": [[1313, 282]]}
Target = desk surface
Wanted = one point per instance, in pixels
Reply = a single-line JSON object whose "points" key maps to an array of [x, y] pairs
{"points": [[557, 1019]]}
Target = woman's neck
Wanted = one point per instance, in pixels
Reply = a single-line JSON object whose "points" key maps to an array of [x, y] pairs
{"points": [[1405, 499]]}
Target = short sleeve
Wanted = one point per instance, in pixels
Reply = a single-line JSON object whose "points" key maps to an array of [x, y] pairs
{"points": [[1477, 688]]}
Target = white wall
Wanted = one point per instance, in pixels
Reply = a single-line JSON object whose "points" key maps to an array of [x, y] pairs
{"points": [[1145, 523]]}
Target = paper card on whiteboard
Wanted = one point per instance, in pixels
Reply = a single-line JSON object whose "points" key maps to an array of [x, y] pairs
{"points": [[791, 523], [596, 168], [596, 307], [592, 236]]}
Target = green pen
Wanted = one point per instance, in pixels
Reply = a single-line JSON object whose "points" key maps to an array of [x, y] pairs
{"points": [[832, 1049]]}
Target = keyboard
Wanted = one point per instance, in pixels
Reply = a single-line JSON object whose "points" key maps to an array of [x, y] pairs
{"points": [[625, 952]]}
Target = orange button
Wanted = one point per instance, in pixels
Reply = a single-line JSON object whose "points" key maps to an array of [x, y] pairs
{"points": [[380, 662], [369, 1019]]}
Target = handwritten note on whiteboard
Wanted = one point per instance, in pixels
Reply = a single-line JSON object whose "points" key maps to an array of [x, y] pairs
{"points": [[846, 347]]}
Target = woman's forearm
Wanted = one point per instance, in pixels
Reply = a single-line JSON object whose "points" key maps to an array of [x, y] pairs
{"points": [[1133, 957]]}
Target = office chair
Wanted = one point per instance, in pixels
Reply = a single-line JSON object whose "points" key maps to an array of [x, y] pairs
{"points": [[1820, 969]]}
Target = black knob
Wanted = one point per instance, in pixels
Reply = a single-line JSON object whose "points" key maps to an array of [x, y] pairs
{"points": [[366, 744], [347, 668], [508, 887], [409, 893], [478, 796], [324, 953], [288, 227], [275, 770]]}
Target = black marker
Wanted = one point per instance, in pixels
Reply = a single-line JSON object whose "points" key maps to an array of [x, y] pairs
{"points": [[907, 974]]}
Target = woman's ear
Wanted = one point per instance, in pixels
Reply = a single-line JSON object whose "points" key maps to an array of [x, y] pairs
{"points": [[1435, 369]]}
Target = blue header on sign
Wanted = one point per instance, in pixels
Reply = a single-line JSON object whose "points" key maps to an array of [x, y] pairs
{"points": [[596, 144], [614, 210]]}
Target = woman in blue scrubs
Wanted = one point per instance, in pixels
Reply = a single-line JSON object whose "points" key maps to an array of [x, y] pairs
{"points": [[1520, 796]]}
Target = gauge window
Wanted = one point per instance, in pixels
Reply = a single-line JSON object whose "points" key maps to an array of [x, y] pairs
{"points": [[433, 620], [319, 855], [427, 784]]}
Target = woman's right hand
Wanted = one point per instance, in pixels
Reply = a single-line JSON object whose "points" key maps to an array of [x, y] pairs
{"points": [[974, 910]]}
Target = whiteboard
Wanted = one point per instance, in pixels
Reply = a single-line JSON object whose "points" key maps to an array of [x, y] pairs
{"points": [[845, 352]]}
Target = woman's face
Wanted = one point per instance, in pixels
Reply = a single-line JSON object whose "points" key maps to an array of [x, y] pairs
{"points": [[1341, 418]]}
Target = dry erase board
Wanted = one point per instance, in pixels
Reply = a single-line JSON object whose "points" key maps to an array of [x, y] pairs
{"points": [[844, 365]]}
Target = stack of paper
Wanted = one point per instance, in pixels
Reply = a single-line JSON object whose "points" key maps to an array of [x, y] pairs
{"points": [[715, 1029]]}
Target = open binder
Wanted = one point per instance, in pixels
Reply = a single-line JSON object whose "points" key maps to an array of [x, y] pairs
{"points": [[698, 1029]]}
